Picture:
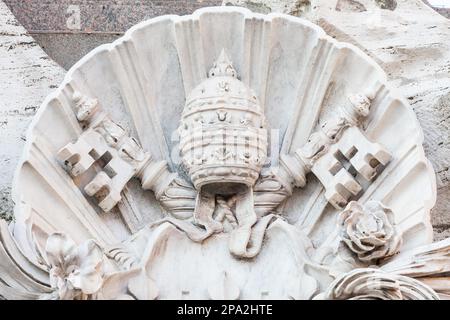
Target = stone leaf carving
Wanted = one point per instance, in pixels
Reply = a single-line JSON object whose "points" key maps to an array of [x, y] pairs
{"points": [[123, 255], [375, 284], [81, 273], [369, 231], [429, 264]]}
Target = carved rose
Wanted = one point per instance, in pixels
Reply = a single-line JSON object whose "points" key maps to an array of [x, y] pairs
{"points": [[75, 271], [369, 230]]}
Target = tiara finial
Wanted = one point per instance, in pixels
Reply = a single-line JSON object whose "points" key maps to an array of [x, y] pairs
{"points": [[222, 67]]}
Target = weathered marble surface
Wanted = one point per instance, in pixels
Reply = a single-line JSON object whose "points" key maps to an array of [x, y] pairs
{"points": [[415, 51], [27, 76], [144, 282], [412, 45], [335, 147]]}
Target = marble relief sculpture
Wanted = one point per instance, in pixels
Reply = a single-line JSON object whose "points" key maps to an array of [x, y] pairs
{"points": [[215, 156]]}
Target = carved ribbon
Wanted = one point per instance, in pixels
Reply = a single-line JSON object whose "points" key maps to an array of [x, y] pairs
{"points": [[204, 225], [245, 241]]}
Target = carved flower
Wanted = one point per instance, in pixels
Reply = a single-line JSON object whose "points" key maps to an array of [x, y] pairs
{"points": [[369, 230], [75, 271]]}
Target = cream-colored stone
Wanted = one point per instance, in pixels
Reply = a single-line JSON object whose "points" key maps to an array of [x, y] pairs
{"points": [[27, 76], [192, 235]]}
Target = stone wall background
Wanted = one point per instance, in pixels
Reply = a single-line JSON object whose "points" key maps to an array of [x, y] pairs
{"points": [[68, 29], [27, 76], [407, 38]]}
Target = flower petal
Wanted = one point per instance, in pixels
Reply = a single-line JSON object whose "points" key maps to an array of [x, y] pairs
{"points": [[372, 241], [90, 255], [88, 281], [60, 250]]}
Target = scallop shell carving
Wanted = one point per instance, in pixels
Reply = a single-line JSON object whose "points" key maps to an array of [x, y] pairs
{"points": [[142, 81]]}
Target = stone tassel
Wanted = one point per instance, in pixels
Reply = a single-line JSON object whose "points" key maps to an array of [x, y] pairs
{"points": [[246, 239]]}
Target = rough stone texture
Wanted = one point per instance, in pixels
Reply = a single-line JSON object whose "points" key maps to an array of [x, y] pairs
{"points": [[105, 20], [27, 76], [98, 16], [386, 4], [101, 21], [67, 48], [350, 5], [443, 11], [292, 7]]}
